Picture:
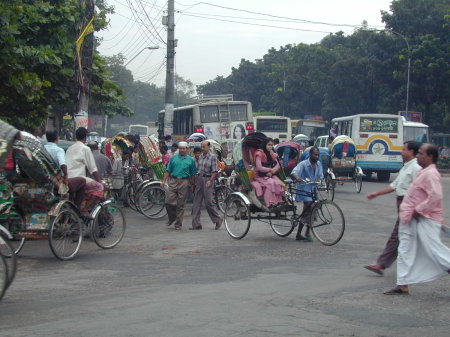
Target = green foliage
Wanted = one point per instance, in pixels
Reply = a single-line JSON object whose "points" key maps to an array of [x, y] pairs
{"points": [[37, 61]]}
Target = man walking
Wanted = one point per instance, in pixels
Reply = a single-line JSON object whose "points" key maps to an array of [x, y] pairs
{"points": [[422, 257], [204, 187], [400, 185], [308, 169], [180, 174]]}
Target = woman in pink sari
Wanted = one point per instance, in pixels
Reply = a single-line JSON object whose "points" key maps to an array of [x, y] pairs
{"points": [[265, 182]]}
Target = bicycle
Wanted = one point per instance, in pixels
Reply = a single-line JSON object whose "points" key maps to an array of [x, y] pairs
{"points": [[326, 220], [8, 261]]}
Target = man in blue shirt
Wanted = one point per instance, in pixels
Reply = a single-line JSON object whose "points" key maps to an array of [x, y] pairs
{"points": [[309, 169], [77, 185], [180, 174]]}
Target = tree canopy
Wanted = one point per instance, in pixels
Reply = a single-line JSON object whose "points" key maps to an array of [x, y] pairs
{"points": [[365, 72], [37, 61]]}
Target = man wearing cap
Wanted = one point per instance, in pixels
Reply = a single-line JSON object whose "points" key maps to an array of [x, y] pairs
{"points": [[204, 187], [179, 176]]}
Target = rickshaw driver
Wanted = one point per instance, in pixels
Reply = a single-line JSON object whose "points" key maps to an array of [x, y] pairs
{"points": [[308, 169], [79, 158]]}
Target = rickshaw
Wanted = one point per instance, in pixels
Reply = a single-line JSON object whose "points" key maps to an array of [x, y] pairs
{"points": [[150, 196], [343, 167], [302, 140], [326, 222], [289, 155], [40, 203]]}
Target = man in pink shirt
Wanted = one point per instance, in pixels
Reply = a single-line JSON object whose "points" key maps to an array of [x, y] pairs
{"points": [[422, 257]]}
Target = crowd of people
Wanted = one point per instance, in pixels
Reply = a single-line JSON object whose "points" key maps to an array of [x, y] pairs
{"points": [[415, 239]]}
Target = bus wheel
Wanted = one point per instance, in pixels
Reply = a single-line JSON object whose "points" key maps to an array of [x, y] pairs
{"points": [[383, 176]]}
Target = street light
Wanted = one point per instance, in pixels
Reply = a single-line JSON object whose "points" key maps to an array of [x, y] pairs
{"points": [[150, 48]]}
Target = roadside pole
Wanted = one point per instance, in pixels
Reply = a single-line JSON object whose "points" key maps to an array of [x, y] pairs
{"points": [[85, 43], [170, 70]]}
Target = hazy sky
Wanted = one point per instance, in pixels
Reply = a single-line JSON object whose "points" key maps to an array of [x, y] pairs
{"points": [[210, 45]]}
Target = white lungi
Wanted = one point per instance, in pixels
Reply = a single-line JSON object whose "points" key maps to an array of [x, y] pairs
{"points": [[422, 257]]}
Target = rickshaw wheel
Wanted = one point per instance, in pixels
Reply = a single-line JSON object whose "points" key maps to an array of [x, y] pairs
{"points": [[151, 201], [282, 225], [220, 195], [66, 234], [7, 251], [10, 221], [3, 276], [108, 227], [330, 187], [358, 183], [237, 217], [327, 222]]}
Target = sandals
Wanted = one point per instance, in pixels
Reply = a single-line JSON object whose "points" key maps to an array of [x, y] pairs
{"points": [[178, 228], [375, 268], [396, 291]]}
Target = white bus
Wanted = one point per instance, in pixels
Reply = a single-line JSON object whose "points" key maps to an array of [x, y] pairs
{"points": [[379, 140], [274, 127], [217, 117], [138, 129], [312, 128]]}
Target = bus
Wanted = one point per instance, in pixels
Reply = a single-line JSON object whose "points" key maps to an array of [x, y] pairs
{"points": [[138, 129], [312, 128], [217, 117], [379, 140], [274, 127]]}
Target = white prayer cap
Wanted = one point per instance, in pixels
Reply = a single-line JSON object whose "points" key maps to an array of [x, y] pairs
{"points": [[182, 144]]}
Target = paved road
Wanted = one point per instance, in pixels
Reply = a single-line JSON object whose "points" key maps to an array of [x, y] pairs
{"points": [[159, 282]]}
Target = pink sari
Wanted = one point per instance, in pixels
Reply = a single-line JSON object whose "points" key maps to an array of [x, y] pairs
{"points": [[270, 187]]}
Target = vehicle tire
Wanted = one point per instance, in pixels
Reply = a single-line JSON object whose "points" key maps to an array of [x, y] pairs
{"points": [[327, 222], [358, 183], [383, 176], [65, 234], [108, 227], [7, 250], [13, 222], [3, 276], [130, 196], [151, 201], [330, 187], [237, 217], [221, 193], [282, 226]]}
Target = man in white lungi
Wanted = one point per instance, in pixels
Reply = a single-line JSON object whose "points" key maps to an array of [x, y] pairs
{"points": [[422, 257]]}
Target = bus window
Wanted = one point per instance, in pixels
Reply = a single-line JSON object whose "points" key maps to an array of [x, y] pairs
{"points": [[238, 112], [271, 125], [209, 113], [419, 134], [182, 122]]}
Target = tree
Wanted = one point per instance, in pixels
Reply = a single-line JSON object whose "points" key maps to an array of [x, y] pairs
{"points": [[37, 54]]}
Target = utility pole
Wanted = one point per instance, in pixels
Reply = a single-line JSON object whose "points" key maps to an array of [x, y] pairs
{"points": [[170, 69], [84, 70]]}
